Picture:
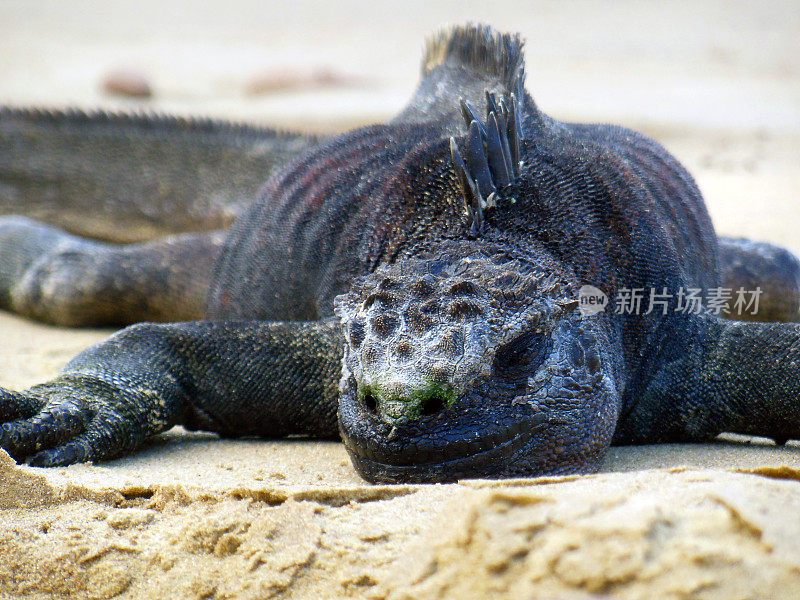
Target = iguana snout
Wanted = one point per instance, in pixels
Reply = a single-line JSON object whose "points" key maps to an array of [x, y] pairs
{"points": [[398, 402]]}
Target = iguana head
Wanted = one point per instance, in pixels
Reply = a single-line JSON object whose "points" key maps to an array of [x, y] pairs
{"points": [[469, 364]]}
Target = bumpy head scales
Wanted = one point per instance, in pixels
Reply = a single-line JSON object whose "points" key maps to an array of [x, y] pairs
{"points": [[418, 335], [493, 156]]}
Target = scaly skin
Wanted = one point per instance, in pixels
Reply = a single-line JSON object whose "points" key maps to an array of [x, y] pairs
{"points": [[411, 287], [133, 177]]}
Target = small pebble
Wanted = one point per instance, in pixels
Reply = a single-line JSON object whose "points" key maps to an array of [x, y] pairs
{"points": [[130, 83]]}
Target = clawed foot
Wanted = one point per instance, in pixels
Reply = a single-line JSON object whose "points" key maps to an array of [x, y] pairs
{"points": [[69, 420]]}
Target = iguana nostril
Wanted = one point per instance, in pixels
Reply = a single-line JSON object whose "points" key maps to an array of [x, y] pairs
{"points": [[387, 283], [370, 402], [433, 405]]}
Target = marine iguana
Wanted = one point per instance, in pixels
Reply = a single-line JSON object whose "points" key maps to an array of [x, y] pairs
{"points": [[411, 287]]}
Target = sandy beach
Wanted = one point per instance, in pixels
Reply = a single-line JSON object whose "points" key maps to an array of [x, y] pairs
{"points": [[192, 516]]}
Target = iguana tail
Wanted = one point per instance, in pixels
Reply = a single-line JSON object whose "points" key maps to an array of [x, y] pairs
{"points": [[128, 178]]}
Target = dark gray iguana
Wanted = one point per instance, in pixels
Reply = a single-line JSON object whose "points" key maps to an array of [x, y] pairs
{"points": [[421, 275]]}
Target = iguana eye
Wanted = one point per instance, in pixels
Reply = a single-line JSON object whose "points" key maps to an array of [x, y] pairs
{"points": [[521, 355]]}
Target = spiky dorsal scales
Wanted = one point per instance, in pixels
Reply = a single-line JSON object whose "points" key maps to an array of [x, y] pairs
{"points": [[482, 48], [493, 154], [473, 201]]}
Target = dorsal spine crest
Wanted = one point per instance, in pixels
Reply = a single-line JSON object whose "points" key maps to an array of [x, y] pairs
{"points": [[493, 156]]}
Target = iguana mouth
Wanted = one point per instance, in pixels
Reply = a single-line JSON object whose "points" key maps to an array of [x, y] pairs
{"points": [[420, 454], [487, 463]]}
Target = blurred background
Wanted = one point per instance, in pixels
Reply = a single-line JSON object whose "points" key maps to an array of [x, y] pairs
{"points": [[718, 82]]}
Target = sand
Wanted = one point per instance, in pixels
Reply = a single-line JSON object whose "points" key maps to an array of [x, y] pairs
{"points": [[191, 516]]}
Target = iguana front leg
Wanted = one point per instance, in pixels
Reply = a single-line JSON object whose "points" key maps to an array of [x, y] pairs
{"points": [[234, 378], [720, 376]]}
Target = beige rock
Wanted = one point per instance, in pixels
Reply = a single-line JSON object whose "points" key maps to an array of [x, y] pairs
{"points": [[127, 82]]}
